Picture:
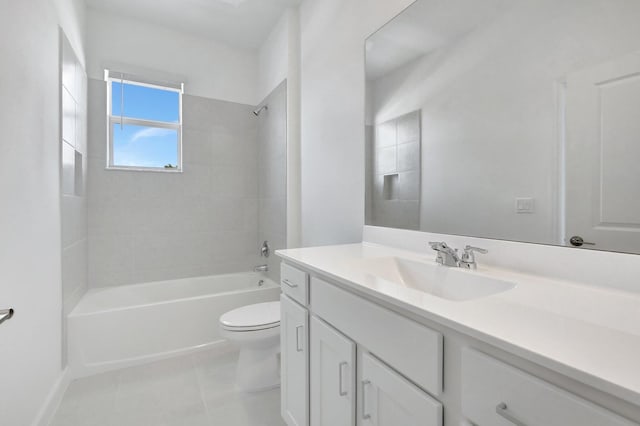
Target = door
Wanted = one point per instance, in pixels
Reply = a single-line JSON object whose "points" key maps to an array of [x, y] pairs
{"points": [[388, 399], [602, 155], [332, 376], [294, 327]]}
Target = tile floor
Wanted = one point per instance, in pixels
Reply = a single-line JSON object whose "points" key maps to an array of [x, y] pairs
{"points": [[191, 390]]}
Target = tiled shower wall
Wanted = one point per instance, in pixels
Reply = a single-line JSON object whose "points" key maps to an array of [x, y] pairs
{"points": [[272, 176], [73, 94], [146, 226], [396, 150]]}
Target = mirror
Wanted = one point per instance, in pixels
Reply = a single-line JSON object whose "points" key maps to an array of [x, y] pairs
{"points": [[515, 120]]}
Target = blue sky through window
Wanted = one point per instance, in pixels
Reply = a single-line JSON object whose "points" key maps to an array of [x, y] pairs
{"points": [[139, 146], [144, 146]]}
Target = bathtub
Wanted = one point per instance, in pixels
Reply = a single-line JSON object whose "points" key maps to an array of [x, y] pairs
{"points": [[121, 326]]}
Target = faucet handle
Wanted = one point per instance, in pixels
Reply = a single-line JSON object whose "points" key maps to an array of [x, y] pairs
{"points": [[438, 245], [471, 249]]}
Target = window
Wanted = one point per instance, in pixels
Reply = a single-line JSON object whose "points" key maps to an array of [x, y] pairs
{"points": [[144, 124]]}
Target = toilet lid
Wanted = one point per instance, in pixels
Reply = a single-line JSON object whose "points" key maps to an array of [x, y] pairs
{"points": [[260, 315]]}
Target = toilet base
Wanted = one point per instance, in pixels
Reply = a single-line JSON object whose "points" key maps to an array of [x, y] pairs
{"points": [[258, 367], [258, 370]]}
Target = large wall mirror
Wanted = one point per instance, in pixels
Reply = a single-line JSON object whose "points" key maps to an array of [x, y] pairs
{"points": [[507, 119]]}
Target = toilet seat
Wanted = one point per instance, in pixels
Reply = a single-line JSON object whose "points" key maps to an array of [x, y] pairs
{"points": [[260, 316]]}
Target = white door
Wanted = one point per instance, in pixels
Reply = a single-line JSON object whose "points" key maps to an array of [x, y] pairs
{"points": [[603, 156], [332, 376], [294, 332], [388, 399]]}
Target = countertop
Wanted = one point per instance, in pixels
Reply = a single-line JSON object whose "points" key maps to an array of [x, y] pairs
{"points": [[590, 334]]}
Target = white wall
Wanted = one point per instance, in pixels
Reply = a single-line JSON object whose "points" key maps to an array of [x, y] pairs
{"points": [[279, 59], [332, 87], [30, 253], [72, 19], [294, 214], [208, 68], [273, 57]]}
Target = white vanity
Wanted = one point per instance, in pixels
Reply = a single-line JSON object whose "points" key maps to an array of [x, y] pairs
{"points": [[373, 335]]}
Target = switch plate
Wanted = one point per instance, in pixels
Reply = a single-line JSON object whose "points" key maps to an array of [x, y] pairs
{"points": [[525, 205]]}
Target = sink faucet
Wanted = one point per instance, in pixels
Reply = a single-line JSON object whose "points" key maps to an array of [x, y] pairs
{"points": [[446, 255], [468, 259]]}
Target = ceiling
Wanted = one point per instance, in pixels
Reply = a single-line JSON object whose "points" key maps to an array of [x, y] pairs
{"points": [[424, 27], [240, 23]]}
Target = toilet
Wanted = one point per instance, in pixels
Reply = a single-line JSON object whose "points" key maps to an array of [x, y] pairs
{"points": [[256, 329]]}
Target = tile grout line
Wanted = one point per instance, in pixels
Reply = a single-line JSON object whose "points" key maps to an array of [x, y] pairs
{"points": [[200, 388]]}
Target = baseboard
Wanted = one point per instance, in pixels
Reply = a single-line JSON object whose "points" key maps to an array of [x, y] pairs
{"points": [[52, 402]]}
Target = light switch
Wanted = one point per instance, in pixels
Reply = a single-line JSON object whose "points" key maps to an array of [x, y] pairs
{"points": [[525, 205]]}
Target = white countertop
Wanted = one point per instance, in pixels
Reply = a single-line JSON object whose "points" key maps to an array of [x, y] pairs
{"points": [[588, 333]]}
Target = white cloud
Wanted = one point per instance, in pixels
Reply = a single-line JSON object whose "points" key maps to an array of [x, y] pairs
{"points": [[150, 132]]}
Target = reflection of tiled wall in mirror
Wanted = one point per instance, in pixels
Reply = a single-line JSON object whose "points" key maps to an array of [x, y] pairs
{"points": [[73, 169], [396, 173]]}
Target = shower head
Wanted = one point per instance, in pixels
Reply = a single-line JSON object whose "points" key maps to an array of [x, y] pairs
{"points": [[257, 112]]}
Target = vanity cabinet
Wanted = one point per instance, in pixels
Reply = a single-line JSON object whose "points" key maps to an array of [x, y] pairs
{"points": [[412, 349], [294, 332], [333, 361], [323, 329], [348, 360]]}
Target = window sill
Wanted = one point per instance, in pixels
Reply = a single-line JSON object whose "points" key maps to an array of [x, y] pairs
{"points": [[142, 169]]}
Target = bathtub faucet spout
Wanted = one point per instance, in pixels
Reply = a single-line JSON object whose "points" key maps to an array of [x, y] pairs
{"points": [[261, 268]]}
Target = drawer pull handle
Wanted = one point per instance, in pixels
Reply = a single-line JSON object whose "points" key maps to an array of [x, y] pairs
{"points": [[503, 412], [365, 415], [340, 378], [299, 347], [289, 283]]}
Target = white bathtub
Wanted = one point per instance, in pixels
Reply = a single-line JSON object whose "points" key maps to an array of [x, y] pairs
{"points": [[122, 326]]}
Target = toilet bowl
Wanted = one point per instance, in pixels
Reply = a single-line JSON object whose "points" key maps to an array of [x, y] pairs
{"points": [[256, 329]]}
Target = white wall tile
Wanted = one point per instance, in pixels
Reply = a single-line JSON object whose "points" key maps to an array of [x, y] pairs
{"points": [[173, 225], [68, 169], [386, 160]]}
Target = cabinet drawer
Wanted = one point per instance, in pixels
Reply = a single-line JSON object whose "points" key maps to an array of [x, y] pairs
{"points": [[494, 393], [294, 283], [410, 348]]}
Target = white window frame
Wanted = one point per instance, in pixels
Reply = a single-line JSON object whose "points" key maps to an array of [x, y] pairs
{"points": [[117, 120]]}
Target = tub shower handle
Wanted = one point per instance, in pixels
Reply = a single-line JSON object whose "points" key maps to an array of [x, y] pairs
{"points": [[5, 314], [289, 283], [503, 412], [341, 366], [299, 347]]}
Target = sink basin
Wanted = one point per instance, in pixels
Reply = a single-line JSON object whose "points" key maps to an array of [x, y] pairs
{"points": [[441, 281]]}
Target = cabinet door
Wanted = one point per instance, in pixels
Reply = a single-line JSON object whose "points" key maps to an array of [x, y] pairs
{"points": [[388, 399], [294, 326], [332, 376]]}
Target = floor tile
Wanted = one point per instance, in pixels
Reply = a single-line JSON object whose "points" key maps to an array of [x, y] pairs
{"points": [[192, 390]]}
